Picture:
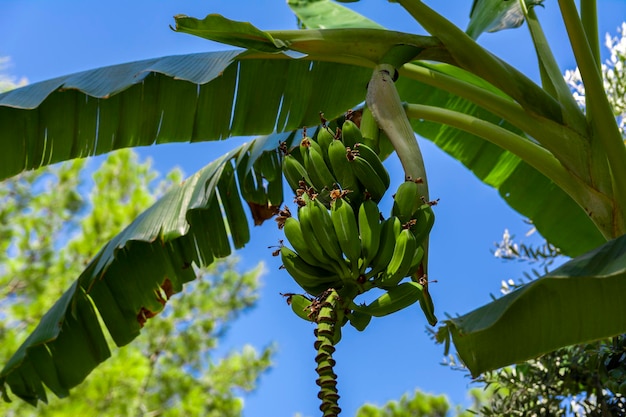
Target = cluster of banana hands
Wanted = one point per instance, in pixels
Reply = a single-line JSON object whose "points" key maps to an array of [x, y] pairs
{"points": [[340, 240]]}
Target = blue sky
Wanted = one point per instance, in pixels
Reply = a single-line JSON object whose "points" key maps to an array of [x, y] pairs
{"points": [[394, 355]]}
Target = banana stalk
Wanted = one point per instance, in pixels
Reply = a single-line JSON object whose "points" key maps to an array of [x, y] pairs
{"points": [[329, 320], [384, 102]]}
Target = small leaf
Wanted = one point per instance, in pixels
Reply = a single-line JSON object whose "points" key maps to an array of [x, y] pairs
{"points": [[496, 15], [324, 14]]}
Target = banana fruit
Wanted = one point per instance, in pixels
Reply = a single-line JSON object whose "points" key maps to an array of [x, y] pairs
{"points": [[395, 299], [340, 240], [341, 246], [311, 279]]}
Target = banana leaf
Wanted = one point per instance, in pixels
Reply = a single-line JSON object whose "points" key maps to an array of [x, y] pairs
{"points": [[526, 190], [579, 302], [196, 97], [131, 278], [496, 15]]}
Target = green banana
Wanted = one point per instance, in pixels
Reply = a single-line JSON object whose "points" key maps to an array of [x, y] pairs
{"points": [[350, 134], [342, 168], [406, 201], [370, 229], [311, 218], [368, 177], [324, 231], [324, 138], [370, 130], [311, 279], [315, 165], [301, 244], [400, 263], [424, 221], [307, 225], [301, 305], [347, 231], [418, 256], [426, 302], [370, 156], [295, 152], [390, 230], [395, 299], [294, 172]]}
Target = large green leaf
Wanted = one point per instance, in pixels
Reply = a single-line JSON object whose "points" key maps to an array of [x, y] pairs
{"points": [[579, 302], [360, 46], [133, 275], [554, 213], [197, 97]]}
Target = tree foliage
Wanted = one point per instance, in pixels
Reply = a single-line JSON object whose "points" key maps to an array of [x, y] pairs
{"points": [[52, 222], [421, 404]]}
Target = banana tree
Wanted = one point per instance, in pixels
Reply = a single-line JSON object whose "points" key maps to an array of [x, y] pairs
{"points": [[550, 161]]}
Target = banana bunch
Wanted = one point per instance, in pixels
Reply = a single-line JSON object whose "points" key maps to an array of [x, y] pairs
{"points": [[340, 240], [338, 247], [336, 162]]}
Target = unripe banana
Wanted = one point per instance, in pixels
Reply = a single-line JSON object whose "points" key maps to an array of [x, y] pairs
{"points": [[294, 172], [401, 261], [338, 158], [347, 231], [370, 229], [324, 138], [395, 299], [406, 201], [321, 177], [390, 230], [309, 143], [418, 256], [324, 231], [424, 221], [311, 279], [307, 225], [350, 133], [427, 306], [370, 156], [301, 305], [301, 244], [368, 177], [370, 130]]}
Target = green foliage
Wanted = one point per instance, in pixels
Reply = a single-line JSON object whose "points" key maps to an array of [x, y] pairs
{"points": [[49, 230], [581, 380], [418, 405]]}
